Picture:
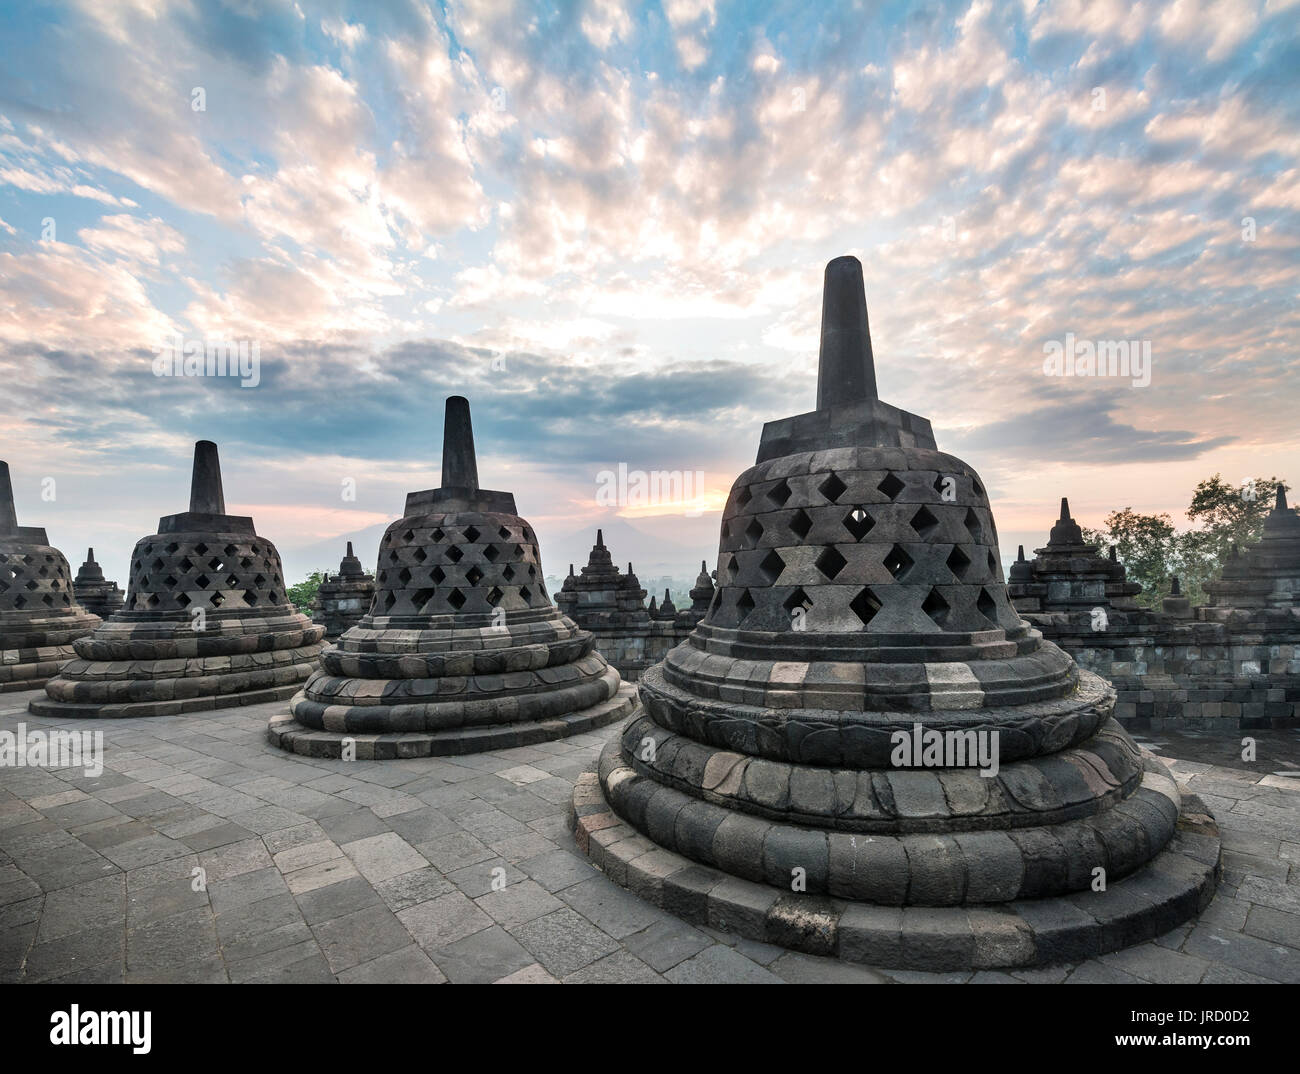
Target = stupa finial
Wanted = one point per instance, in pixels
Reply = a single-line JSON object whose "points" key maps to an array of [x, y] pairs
{"points": [[1281, 498], [8, 516], [349, 548], [1020, 554], [1065, 510], [1175, 590], [846, 370], [206, 494], [459, 464], [600, 538]]}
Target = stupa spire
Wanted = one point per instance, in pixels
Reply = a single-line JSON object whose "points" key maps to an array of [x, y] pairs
{"points": [[8, 516], [846, 371], [206, 495], [459, 464]]}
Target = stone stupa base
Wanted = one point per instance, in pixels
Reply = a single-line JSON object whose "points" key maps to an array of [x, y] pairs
{"points": [[1171, 888], [287, 733], [31, 669]]}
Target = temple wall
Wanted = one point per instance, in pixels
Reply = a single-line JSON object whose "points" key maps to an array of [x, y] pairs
{"points": [[632, 651], [1177, 675]]}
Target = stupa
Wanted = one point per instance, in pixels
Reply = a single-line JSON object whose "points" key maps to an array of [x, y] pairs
{"points": [[779, 777], [462, 649], [39, 615], [1263, 581], [1069, 576], [206, 623], [342, 600], [94, 592]]}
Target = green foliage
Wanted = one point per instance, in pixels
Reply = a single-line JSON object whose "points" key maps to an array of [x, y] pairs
{"points": [[1152, 552], [301, 594]]}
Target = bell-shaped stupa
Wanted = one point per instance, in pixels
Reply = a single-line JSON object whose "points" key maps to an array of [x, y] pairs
{"points": [[95, 593], [39, 614], [862, 749], [342, 600], [206, 623], [462, 649], [1263, 580]]}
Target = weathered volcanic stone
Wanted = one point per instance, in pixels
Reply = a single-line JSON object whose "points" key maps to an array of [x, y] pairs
{"points": [[341, 601], [1266, 577], [39, 615], [859, 605], [206, 623], [95, 593], [461, 650]]}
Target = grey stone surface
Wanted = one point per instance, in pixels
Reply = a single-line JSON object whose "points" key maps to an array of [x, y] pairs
{"points": [[145, 922]]}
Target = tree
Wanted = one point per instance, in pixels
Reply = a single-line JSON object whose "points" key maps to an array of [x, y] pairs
{"points": [[1147, 546], [1223, 515], [301, 594]]}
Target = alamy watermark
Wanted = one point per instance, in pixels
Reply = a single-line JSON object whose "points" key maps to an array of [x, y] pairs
{"points": [[923, 747], [651, 488], [181, 357], [39, 748], [1073, 357]]}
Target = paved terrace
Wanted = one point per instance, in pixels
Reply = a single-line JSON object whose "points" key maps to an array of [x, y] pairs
{"points": [[334, 871]]}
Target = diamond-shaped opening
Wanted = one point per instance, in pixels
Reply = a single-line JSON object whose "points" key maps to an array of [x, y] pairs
{"points": [[419, 555], [801, 523], [455, 554], [259, 581], [491, 553], [232, 580], [891, 486], [830, 562], [421, 597], [494, 596], [733, 568], [924, 522], [32, 583], [20, 602], [474, 576], [508, 572], [47, 600], [745, 603], [541, 588], [153, 600], [936, 607], [392, 556], [390, 598], [183, 600], [171, 581], [408, 536], [250, 597], [743, 496], [230, 550], [832, 488], [958, 562], [202, 581], [404, 575], [859, 523], [437, 535], [525, 592], [779, 493], [988, 607], [771, 567], [438, 575], [173, 548], [941, 483], [865, 606], [158, 564], [993, 564], [976, 487], [245, 563], [214, 564], [897, 561], [797, 599], [201, 549], [972, 522], [528, 535], [754, 531], [532, 571], [216, 600], [519, 551], [44, 572], [726, 530], [471, 534], [272, 598], [503, 533]]}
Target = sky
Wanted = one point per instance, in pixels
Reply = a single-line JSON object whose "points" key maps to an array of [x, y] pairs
{"points": [[606, 225]]}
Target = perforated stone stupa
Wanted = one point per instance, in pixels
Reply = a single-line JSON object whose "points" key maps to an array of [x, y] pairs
{"points": [[95, 593], [206, 623], [1264, 580], [342, 600], [462, 649], [860, 609], [39, 615]]}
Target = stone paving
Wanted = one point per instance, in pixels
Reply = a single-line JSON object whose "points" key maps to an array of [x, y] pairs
{"points": [[332, 871]]}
